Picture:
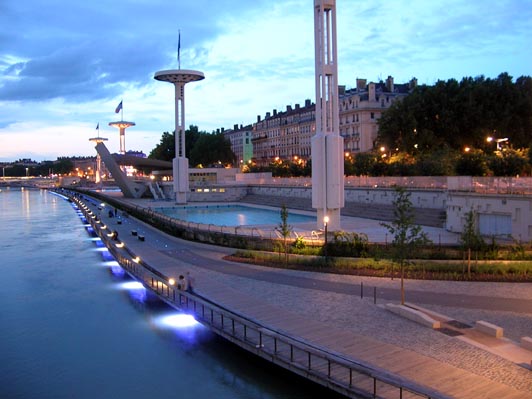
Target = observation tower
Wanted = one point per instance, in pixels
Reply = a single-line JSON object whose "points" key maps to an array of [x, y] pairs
{"points": [[180, 77], [327, 145], [98, 140], [122, 126]]}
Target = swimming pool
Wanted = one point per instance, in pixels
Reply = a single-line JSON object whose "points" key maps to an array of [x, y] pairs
{"points": [[231, 215]]}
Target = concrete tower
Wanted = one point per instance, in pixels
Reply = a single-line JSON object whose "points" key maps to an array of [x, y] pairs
{"points": [[98, 176], [327, 144], [180, 77], [122, 126]]}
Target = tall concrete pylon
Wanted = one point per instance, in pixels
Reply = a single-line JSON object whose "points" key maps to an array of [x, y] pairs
{"points": [[327, 144], [180, 77], [98, 171]]}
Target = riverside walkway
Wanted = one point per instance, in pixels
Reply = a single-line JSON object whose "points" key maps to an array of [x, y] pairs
{"points": [[327, 312]]}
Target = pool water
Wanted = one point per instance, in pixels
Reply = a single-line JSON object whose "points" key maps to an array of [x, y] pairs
{"points": [[231, 215]]}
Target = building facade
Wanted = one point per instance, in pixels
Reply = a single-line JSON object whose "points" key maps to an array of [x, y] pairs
{"points": [[286, 135], [240, 138], [361, 108]]}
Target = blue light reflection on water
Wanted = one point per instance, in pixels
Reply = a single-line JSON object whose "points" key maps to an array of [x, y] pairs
{"points": [[68, 331]]}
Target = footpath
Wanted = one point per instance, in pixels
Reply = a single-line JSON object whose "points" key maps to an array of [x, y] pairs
{"points": [[328, 311]]}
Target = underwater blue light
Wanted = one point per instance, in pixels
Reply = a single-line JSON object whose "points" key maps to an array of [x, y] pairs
{"points": [[131, 285], [111, 263], [135, 290], [180, 320], [118, 271], [106, 255]]}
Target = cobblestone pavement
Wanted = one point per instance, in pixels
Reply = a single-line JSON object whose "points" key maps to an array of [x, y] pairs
{"points": [[363, 317]]}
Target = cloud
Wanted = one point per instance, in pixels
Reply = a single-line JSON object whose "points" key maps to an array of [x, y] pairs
{"points": [[88, 50], [69, 63]]}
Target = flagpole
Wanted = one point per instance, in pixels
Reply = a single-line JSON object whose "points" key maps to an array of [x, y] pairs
{"points": [[179, 50], [122, 110]]}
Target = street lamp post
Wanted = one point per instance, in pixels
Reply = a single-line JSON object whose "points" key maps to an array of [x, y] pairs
{"points": [[325, 223], [497, 141]]}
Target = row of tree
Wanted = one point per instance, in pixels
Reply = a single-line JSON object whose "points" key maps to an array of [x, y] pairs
{"points": [[62, 165], [441, 162], [460, 114]]}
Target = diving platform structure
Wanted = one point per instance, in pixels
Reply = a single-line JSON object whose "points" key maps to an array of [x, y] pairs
{"points": [[129, 187]]}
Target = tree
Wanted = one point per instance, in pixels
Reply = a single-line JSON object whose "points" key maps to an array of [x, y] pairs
{"points": [[460, 114], [472, 163], [470, 238], [201, 148], [508, 163], [438, 163], [284, 230], [363, 163], [407, 236], [165, 150]]}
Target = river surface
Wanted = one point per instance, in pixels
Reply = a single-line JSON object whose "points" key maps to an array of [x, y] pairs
{"points": [[69, 328]]}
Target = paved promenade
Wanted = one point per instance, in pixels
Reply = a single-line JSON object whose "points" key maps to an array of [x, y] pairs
{"points": [[332, 314]]}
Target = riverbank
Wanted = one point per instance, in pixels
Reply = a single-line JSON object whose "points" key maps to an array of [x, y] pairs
{"points": [[317, 300]]}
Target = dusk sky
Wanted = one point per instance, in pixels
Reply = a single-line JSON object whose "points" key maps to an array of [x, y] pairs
{"points": [[65, 65]]}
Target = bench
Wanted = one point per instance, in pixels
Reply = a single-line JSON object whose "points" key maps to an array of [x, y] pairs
{"points": [[413, 315], [133, 232], [489, 329], [526, 343], [141, 238]]}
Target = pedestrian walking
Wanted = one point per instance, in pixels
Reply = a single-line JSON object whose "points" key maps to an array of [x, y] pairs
{"points": [[182, 283], [190, 283]]}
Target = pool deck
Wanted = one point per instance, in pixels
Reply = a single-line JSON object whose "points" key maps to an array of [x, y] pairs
{"points": [[328, 311], [374, 229]]}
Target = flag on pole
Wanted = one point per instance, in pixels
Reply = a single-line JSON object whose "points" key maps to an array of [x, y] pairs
{"points": [[118, 108], [179, 50], [98, 126]]}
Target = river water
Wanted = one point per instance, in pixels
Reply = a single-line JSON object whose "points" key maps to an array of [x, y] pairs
{"points": [[69, 329]]}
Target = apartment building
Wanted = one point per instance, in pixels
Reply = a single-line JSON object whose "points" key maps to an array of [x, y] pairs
{"points": [[240, 138], [286, 135], [361, 108]]}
